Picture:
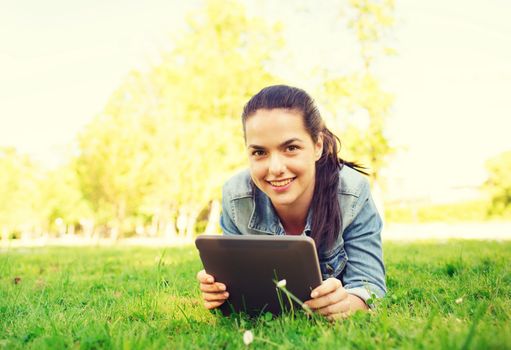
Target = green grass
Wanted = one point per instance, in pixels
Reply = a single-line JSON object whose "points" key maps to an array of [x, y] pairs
{"points": [[92, 298]]}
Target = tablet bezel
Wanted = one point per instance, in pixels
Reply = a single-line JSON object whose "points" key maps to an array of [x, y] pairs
{"points": [[249, 265]]}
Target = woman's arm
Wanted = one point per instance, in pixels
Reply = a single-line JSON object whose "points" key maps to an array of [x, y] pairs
{"points": [[226, 221], [364, 273]]}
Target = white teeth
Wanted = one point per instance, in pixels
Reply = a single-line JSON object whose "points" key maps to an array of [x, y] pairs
{"points": [[280, 183]]}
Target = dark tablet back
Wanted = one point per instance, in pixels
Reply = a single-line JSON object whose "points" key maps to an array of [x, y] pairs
{"points": [[248, 265]]}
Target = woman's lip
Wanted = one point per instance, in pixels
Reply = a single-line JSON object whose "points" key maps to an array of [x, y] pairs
{"points": [[282, 188]]}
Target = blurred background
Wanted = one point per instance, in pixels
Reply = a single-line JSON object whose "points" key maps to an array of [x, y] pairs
{"points": [[121, 119]]}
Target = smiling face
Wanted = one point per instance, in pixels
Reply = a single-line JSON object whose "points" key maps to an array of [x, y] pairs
{"points": [[282, 157]]}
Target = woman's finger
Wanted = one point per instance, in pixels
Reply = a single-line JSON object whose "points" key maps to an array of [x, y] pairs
{"points": [[213, 304], [332, 298], [327, 287], [321, 302], [203, 277], [212, 287], [335, 309], [215, 296]]}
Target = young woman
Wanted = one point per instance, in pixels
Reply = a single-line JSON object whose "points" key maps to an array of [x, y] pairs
{"points": [[297, 185]]}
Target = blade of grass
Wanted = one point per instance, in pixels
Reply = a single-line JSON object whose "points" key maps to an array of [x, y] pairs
{"points": [[478, 315]]}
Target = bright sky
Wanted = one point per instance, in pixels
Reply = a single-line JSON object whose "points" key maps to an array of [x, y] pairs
{"points": [[452, 82], [60, 61]]}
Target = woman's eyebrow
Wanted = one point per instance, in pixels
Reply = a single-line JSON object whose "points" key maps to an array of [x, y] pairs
{"points": [[255, 146], [282, 145], [290, 141]]}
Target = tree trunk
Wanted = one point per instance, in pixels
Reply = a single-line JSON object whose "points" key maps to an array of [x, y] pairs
{"points": [[182, 220], [155, 222], [71, 230], [87, 228], [118, 224], [192, 220], [213, 218], [170, 229], [5, 235], [169, 224]]}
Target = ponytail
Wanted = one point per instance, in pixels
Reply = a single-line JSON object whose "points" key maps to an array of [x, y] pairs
{"points": [[327, 218]]}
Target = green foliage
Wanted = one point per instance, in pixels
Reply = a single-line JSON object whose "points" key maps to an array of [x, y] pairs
{"points": [[360, 95], [115, 164], [19, 182], [498, 184], [441, 296], [32, 198], [61, 198], [202, 86], [371, 22], [170, 137]]}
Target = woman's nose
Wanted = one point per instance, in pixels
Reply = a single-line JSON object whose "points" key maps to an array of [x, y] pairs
{"points": [[276, 166]]}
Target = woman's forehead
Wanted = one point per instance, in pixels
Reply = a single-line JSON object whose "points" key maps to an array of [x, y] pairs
{"points": [[275, 126], [284, 118]]}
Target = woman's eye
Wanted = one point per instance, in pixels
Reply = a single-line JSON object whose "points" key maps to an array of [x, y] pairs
{"points": [[258, 153], [292, 148]]}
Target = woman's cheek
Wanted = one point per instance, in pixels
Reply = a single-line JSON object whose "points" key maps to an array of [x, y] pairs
{"points": [[257, 172], [257, 169]]}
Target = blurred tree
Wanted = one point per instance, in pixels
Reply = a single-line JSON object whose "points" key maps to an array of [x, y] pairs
{"points": [[372, 20], [169, 137], [18, 193], [360, 94], [498, 184], [202, 86], [116, 153], [61, 200]]}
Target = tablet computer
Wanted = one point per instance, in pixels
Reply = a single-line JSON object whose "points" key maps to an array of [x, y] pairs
{"points": [[249, 265]]}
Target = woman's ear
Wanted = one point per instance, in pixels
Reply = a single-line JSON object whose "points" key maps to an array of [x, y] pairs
{"points": [[318, 147]]}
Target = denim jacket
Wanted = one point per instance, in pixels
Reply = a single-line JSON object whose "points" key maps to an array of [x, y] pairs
{"points": [[356, 258]]}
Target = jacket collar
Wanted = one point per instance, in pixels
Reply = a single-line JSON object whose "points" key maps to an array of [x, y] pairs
{"points": [[265, 219]]}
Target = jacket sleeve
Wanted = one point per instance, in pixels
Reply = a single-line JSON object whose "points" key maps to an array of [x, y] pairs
{"points": [[364, 273], [226, 220]]}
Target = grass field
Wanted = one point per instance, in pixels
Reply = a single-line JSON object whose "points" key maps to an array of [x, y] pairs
{"points": [[454, 295]]}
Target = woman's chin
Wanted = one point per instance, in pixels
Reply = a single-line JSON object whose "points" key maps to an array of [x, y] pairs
{"points": [[282, 200]]}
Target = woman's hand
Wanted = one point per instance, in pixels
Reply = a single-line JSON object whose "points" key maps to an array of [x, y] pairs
{"points": [[213, 293], [330, 299]]}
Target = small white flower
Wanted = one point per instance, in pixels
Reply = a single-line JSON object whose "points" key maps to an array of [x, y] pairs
{"points": [[459, 300], [248, 338], [281, 283]]}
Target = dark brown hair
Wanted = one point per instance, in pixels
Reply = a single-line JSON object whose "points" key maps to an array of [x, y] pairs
{"points": [[326, 211]]}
